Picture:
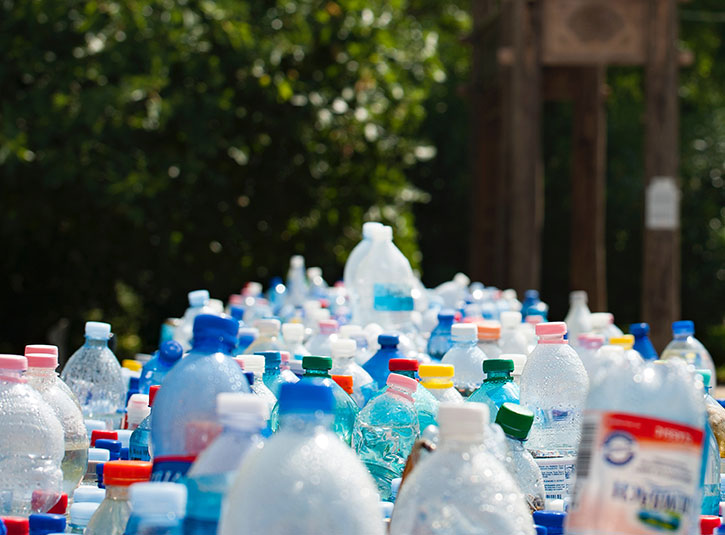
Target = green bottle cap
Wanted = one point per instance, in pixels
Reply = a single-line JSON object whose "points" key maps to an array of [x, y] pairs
{"points": [[498, 365], [316, 363], [706, 376], [515, 420]]}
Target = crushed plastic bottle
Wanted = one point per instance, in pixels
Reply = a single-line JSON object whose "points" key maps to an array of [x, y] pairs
{"points": [[199, 303], [155, 370], [426, 405], [498, 387], [438, 380], [684, 345], [378, 365], [343, 363], [466, 358], [578, 319], [440, 340], [157, 509]]}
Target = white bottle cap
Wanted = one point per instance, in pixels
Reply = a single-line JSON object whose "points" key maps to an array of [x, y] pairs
{"points": [[293, 332], [168, 499], [464, 332], [241, 409], [254, 288], [98, 455], [268, 326], [124, 435], [509, 295], [555, 504], [599, 320], [89, 494], [137, 409], [81, 513], [198, 298], [297, 261], [370, 227], [461, 279], [510, 319], [518, 359], [252, 363], [93, 425], [350, 330], [314, 272], [98, 330], [464, 421], [343, 347], [320, 314], [578, 295]]}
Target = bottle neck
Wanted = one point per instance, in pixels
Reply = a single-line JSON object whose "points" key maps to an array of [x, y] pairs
{"points": [[271, 368], [325, 374], [96, 342], [398, 394], [117, 493], [405, 373], [465, 343], [41, 378], [498, 376], [12, 376], [682, 336]]}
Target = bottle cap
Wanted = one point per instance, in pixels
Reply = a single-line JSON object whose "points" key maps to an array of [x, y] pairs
{"points": [[268, 326], [626, 341], [708, 524], [510, 319], [388, 340], [297, 261], [578, 295], [88, 494], [489, 330], [553, 521], [171, 351], [293, 332], [285, 357], [683, 327], [515, 420], [13, 362], [345, 382], [314, 272], [241, 407], [316, 363], [599, 320], [534, 319], [42, 360], [639, 329], [137, 408], [153, 390], [306, 397], [551, 329], [41, 349], [124, 436], [102, 433], [248, 333], [46, 523], [222, 328], [436, 370], [252, 363], [591, 341], [98, 455], [81, 513], [446, 315], [271, 358], [167, 499], [236, 312], [531, 294], [125, 473], [98, 330], [60, 506], [198, 298], [541, 530], [464, 332], [16, 525], [350, 331], [133, 365], [327, 326], [403, 383], [462, 420], [369, 228], [343, 347], [113, 447], [498, 365], [706, 376], [403, 365]]}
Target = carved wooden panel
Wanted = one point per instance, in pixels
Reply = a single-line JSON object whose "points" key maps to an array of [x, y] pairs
{"points": [[586, 32]]}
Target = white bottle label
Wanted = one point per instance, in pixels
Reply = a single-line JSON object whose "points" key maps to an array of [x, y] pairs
{"points": [[558, 473]]}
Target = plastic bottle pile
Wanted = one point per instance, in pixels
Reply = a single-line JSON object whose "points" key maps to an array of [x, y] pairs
{"points": [[371, 406]]}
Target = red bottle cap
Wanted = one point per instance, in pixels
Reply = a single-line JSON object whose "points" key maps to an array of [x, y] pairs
{"points": [[708, 524], [403, 365], [16, 525], [125, 473], [152, 394], [100, 433]]}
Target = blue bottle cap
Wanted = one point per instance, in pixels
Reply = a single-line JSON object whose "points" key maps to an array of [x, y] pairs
{"points": [[683, 327], [124, 455], [306, 396], [236, 312], [223, 328], [541, 530], [720, 530], [133, 385], [113, 447], [553, 521], [639, 329], [446, 315], [270, 357], [531, 294], [171, 351], [388, 340], [43, 523]]}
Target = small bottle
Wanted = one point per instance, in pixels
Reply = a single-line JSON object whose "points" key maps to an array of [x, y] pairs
{"points": [[294, 334], [44, 523], [489, 333], [199, 303], [319, 343], [268, 339], [255, 364], [642, 343], [512, 340], [426, 404], [466, 358], [274, 377], [139, 443], [157, 509], [498, 387], [378, 365], [137, 410], [684, 345], [154, 371], [343, 363], [438, 380], [112, 515], [81, 513], [440, 340]]}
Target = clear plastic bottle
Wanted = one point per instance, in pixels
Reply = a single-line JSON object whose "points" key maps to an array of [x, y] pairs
{"points": [[587, 349], [318, 288], [466, 358], [516, 422], [155, 370], [274, 377], [626, 342], [112, 515], [426, 405], [139, 445], [461, 488], [296, 282], [612, 330], [255, 364], [94, 375], [385, 431], [489, 333], [199, 303], [359, 251], [44, 349], [355, 332], [498, 387], [684, 345], [294, 334], [599, 322], [137, 410], [210, 477], [440, 340], [185, 408], [308, 470], [268, 339], [438, 380], [711, 461], [642, 343], [512, 339], [31, 444], [41, 375], [343, 363], [319, 343], [554, 386], [80, 514], [638, 469], [247, 336], [578, 319], [157, 509]]}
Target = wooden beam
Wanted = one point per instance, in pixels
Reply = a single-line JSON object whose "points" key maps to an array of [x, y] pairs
{"points": [[587, 269], [661, 276]]}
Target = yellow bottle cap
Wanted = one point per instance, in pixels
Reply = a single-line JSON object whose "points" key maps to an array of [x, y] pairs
{"points": [[626, 341], [133, 365], [436, 376]]}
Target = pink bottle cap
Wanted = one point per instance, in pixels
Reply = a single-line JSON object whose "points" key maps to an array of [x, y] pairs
{"points": [[41, 349], [401, 382], [552, 328], [285, 357], [328, 326], [534, 319], [13, 362], [42, 360]]}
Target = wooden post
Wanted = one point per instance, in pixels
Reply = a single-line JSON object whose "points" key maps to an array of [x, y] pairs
{"points": [[587, 269], [661, 266]]}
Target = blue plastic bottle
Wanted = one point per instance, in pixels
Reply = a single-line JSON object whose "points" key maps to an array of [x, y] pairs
{"points": [[43, 524], [533, 305], [138, 444], [185, 408], [157, 509], [378, 365], [440, 338], [155, 370], [642, 343], [426, 405], [498, 387], [274, 377]]}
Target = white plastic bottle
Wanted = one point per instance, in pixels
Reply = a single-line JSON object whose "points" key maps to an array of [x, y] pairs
{"points": [[199, 303], [359, 252], [255, 364], [578, 319], [461, 487], [512, 340], [466, 358]]}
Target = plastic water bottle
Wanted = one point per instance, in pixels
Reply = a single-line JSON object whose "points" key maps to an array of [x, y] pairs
{"points": [[684, 345], [137, 410], [626, 342], [466, 358], [516, 422], [268, 339], [247, 336], [385, 431], [81, 513], [512, 339], [588, 349], [112, 515], [489, 332], [43, 349], [438, 380], [157, 509], [42, 377], [378, 365], [319, 343], [453, 292], [274, 377], [306, 468], [139, 444], [554, 386], [498, 387], [155, 370], [31, 444], [255, 364], [317, 287], [519, 365], [426, 405], [440, 340], [296, 283], [210, 477], [639, 462], [355, 332], [578, 319], [94, 376], [599, 322], [642, 343], [294, 334], [198, 304], [359, 251], [185, 421], [711, 461], [461, 488], [343, 363]]}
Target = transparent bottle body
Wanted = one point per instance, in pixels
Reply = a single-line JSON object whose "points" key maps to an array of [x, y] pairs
{"points": [[261, 390], [490, 348], [467, 359], [578, 321], [527, 474], [513, 341], [139, 445], [691, 350], [153, 373], [112, 515], [495, 393], [363, 386], [440, 340]]}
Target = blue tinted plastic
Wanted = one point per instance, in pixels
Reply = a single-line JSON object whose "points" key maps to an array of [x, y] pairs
{"points": [[378, 364], [642, 343]]}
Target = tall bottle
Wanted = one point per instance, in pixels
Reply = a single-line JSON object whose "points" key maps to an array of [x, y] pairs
{"points": [[94, 375], [210, 477], [333, 479], [296, 283], [31, 444], [343, 363], [461, 488], [684, 345], [642, 343], [440, 340], [359, 251], [554, 386], [438, 380], [466, 358], [157, 509], [155, 370], [498, 387], [199, 303], [578, 319], [378, 365], [41, 376], [185, 420]]}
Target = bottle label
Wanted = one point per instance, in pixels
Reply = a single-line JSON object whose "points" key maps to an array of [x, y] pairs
{"points": [[635, 475], [171, 468], [558, 474], [139, 453], [392, 297]]}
